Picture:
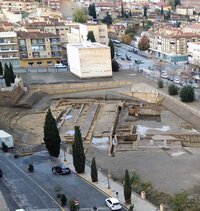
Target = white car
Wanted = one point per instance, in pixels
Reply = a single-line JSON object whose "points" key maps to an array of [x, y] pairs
{"points": [[60, 65], [164, 75], [176, 81], [113, 204]]}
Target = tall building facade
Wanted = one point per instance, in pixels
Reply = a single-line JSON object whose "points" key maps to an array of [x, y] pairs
{"points": [[9, 52], [38, 49]]}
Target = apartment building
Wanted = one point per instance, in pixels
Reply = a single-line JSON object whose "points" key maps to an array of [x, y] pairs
{"points": [[193, 28], [194, 53], [184, 10], [54, 4], [89, 60], [38, 49], [9, 52], [29, 6], [170, 44], [78, 33]]}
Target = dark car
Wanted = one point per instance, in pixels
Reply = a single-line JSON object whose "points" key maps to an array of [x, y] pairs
{"points": [[62, 170], [138, 61], [123, 58], [1, 173]]}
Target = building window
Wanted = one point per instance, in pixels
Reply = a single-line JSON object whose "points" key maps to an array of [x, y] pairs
{"points": [[39, 63], [30, 64], [49, 62]]}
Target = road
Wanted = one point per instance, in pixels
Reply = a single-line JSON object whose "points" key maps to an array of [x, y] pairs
{"points": [[27, 193], [36, 191]]}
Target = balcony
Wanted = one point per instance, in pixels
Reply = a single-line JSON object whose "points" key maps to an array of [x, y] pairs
{"points": [[55, 48], [8, 50], [8, 43]]}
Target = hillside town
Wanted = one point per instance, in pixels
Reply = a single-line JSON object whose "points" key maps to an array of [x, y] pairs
{"points": [[99, 105]]}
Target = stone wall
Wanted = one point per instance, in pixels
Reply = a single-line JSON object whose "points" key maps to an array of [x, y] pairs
{"points": [[9, 98]]}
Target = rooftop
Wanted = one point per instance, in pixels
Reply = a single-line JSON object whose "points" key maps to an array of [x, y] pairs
{"points": [[88, 44], [35, 35]]}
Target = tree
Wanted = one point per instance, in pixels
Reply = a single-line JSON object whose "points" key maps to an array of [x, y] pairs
{"points": [[90, 36], [143, 44], [94, 173], [180, 202], [63, 200], [112, 50], [107, 19], [115, 66], [160, 83], [78, 152], [51, 135], [187, 94], [130, 13], [172, 89], [4, 147], [79, 16], [127, 187], [177, 2], [92, 11], [12, 75], [1, 69], [126, 39], [7, 75], [122, 10], [161, 11], [145, 11]]}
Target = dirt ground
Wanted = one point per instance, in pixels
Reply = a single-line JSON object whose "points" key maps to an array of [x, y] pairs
{"points": [[167, 173]]}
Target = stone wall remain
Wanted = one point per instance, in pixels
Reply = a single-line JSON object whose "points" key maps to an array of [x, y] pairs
{"points": [[9, 98]]}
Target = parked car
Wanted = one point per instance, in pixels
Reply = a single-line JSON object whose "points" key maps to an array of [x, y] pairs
{"points": [[195, 85], [128, 57], [176, 81], [170, 78], [151, 68], [138, 61], [123, 57], [113, 204], [164, 75], [62, 170], [1, 173], [118, 53], [60, 65]]}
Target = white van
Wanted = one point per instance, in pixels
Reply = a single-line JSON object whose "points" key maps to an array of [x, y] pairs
{"points": [[60, 65]]}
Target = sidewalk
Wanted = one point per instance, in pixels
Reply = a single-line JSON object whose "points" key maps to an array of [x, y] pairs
{"points": [[102, 185]]}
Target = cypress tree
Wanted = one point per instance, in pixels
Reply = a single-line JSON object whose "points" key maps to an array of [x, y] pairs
{"points": [[127, 187], [7, 75], [89, 10], [78, 152], [145, 12], [112, 50], [94, 14], [122, 10], [51, 135], [94, 173], [12, 75], [1, 69], [90, 36]]}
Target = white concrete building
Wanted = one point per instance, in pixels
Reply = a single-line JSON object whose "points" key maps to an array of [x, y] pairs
{"points": [[89, 60], [194, 52], [6, 138]]}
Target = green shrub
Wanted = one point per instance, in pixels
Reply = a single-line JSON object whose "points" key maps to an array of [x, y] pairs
{"points": [[160, 83], [63, 200], [4, 147], [172, 89], [115, 66], [187, 94]]}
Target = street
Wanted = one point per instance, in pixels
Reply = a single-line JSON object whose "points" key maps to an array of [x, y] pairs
{"points": [[34, 190]]}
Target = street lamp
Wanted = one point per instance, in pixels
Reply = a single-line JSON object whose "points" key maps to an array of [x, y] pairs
{"points": [[64, 149], [108, 178]]}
